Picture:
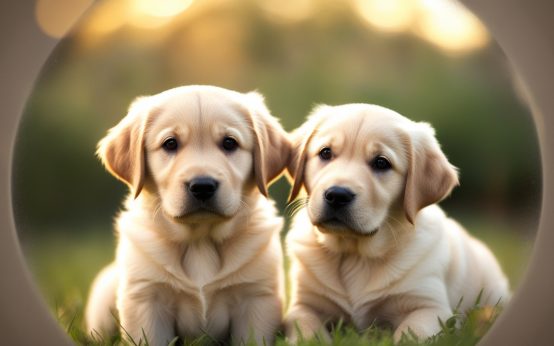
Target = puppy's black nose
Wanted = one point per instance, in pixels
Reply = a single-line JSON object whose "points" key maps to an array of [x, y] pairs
{"points": [[337, 197], [203, 188]]}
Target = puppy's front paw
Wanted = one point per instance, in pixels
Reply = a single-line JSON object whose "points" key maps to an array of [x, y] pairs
{"points": [[304, 325], [408, 333], [421, 324]]}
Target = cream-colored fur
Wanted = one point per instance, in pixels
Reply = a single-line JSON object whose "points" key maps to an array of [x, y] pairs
{"points": [[392, 255], [183, 267]]}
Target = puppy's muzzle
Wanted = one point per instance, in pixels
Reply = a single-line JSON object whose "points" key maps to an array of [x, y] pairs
{"points": [[202, 188], [338, 197]]}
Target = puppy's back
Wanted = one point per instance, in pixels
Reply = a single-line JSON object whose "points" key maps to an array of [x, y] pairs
{"points": [[473, 268]]}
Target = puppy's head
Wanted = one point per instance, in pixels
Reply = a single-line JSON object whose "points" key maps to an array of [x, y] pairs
{"points": [[200, 150], [363, 165]]}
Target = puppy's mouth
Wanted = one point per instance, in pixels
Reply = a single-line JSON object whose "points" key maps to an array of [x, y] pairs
{"points": [[200, 214], [337, 225]]}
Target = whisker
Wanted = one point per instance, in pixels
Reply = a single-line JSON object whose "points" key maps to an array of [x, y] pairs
{"points": [[392, 229], [295, 206], [158, 207], [246, 206]]}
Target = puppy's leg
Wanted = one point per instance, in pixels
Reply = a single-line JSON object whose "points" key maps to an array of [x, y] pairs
{"points": [[256, 318], [101, 303], [422, 322], [145, 313], [303, 322]]}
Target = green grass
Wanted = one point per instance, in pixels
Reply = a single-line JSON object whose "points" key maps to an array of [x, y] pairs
{"points": [[64, 265], [460, 329]]}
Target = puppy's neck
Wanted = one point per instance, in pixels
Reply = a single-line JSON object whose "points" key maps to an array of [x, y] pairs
{"points": [[389, 239]]}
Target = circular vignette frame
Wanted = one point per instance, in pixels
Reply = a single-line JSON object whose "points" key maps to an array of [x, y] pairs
{"points": [[524, 29]]}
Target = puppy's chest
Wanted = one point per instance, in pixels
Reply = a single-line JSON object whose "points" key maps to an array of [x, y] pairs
{"points": [[356, 277], [360, 298], [358, 280], [201, 262]]}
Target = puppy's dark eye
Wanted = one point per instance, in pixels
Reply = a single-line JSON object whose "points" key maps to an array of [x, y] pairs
{"points": [[326, 154], [380, 163], [229, 144], [170, 144]]}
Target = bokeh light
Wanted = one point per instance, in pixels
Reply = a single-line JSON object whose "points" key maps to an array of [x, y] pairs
{"points": [[155, 13], [450, 26], [388, 15], [56, 17], [443, 23], [161, 8], [288, 10], [105, 18]]}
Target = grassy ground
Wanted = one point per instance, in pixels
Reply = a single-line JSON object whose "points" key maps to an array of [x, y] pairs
{"points": [[64, 265]]}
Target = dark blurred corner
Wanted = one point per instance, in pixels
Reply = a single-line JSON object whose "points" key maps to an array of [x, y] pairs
{"points": [[23, 49]]}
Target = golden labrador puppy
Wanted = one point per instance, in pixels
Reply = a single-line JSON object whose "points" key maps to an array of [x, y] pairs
{"points": [[198, 241], [370, 244]]}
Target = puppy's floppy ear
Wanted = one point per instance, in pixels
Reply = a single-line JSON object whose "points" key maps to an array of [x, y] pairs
{"points": [[430, 176], [271, 148], [300, 139], [122, 149]]}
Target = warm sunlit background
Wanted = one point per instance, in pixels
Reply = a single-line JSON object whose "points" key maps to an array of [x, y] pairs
{"points": [[430, 60], [443, 23]]}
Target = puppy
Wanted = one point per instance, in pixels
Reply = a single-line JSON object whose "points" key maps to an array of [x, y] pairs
{"points": [[198, 241], [371, 245]]}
